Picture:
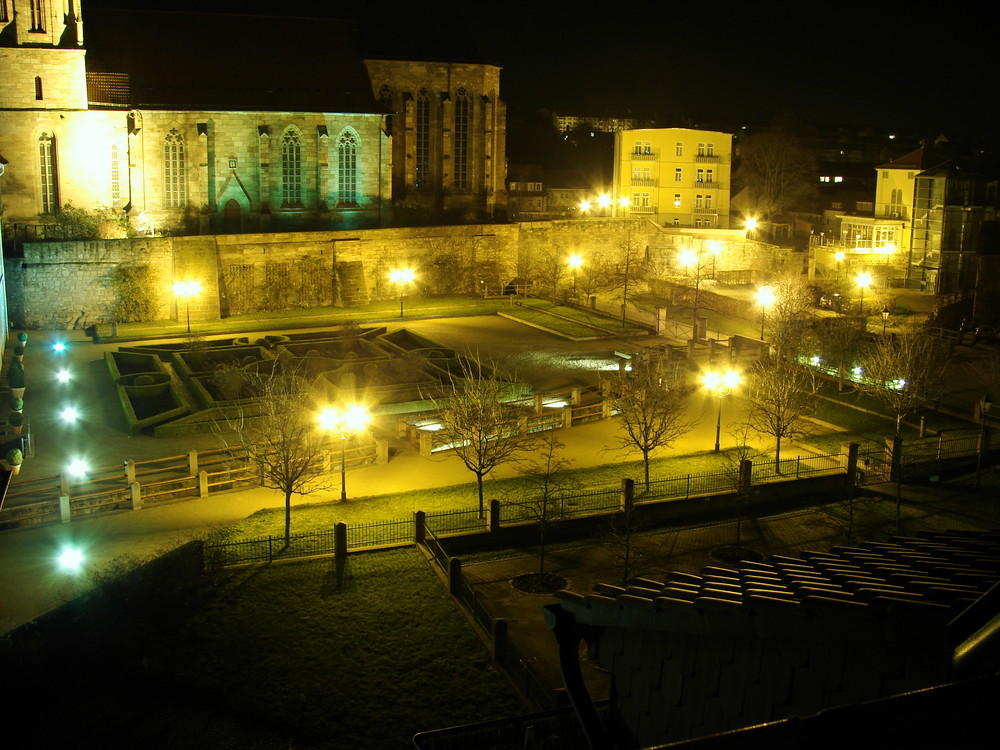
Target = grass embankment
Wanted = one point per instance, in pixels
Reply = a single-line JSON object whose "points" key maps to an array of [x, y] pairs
{"points": [[269, 657], [415, 307], [307, 519]]}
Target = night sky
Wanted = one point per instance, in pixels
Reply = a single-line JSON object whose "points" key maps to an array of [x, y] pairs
{"points": [[857, 64]]}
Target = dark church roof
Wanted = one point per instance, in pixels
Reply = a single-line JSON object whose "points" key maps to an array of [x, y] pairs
{"points": [[205, 61]]}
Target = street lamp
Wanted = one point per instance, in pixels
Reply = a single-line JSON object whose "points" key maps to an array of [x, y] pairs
{"points": [[351, 420], [751, 226], [863, 280], [401, 277], [186, 290], [714, 248], [765, 297], [839, 257], [984, 408], [574, 261], [721, 384], [885, 318]]}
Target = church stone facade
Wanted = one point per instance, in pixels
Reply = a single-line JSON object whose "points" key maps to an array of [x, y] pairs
{"points": [[189, 125]]}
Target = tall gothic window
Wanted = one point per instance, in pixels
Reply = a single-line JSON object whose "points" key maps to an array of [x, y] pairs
{"points": [[385, 99], [463, 121], [116, 187], [47, 173], [37, 16], [291, 168], [347, 169], [423, 146], [174, 170]]}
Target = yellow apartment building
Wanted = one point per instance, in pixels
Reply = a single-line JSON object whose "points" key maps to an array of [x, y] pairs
{"points": [[675, 176]]}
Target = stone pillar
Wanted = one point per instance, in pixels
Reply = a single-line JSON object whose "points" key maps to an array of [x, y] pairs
{"points": [[454, 575], [192, 463], [135, 496], [539, 405], [65, 514], [426, 443], [627, 495], [849, 460], [381, 451], [129, 471], [568, 416], [577, 395], [340, 540], [419, 526], [493, 516], [745, 477], [202, 484], [499, 640]]}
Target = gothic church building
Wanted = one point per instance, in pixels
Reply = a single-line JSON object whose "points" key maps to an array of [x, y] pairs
{"points": [[204, 123]]}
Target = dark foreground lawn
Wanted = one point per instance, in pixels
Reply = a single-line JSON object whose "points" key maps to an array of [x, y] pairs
{"points": [[265, 658]]}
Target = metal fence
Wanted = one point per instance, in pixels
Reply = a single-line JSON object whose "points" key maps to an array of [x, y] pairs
{"points": [[381, 533], [268, 549], [454, 521]]}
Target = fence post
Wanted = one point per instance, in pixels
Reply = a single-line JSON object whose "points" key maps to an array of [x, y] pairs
{"points": [[65, 515], [454, 575], [538, 403], [499, 638], [340, 540], [135, 495], [426, 443], [568, 416], [798, 464], [63, 484], [745, 476], [419, 526], [576, 397], [895, 446], [852, 463], [129, 471], [381, 451], [192, 463], [687, 492], [522, 425], [627, 495], [270, 549], [202, 484], [493, 516]]}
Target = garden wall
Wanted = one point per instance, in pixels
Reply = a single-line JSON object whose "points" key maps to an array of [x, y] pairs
{"points": [[61, 285]]}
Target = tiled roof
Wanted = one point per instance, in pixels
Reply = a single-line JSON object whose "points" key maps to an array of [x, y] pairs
{"points": [[699, 654], [213, 62], [918, 160]]}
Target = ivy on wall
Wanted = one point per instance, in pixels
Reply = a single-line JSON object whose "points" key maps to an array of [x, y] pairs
{"points": [[135, 290]]}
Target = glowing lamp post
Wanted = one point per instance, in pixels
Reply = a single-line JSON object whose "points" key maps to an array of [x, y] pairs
{"points": [[839, 257], [186, 290], [863, 280], [751, 226], [765, 297], [401, 277], [720, 384], [574, 261], [349, 421]]}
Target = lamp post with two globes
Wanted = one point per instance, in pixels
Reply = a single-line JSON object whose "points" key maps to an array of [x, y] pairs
{"points": [[186, 290], [401, 277], [720, 384]]}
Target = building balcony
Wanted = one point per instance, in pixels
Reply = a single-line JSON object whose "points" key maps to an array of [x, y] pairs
{"points": [[706, 185], [707, 159], [714, 211], [644, 182], [643, 209], [642, 156], [892, 211]]}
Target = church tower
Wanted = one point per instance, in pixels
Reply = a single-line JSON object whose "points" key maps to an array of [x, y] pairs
{"points": [[41, 55]]}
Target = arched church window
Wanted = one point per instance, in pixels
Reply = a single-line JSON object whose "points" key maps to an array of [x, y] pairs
{"points": [[347, 169], [463, 122], [291, 168], [385, 99], [47, 173], [423, 139], [174, 170]]}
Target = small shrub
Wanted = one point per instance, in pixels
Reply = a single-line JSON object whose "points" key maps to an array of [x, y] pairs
{"points": [[16, 404], [14, 456], [144, 380], [18, 350], [135, 292], [15, 375], [15, 419]]}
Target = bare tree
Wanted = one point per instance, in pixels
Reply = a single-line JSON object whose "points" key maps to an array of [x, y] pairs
{"points": [[478, 414], [789, 315], [281, 438], [839, 342], [779, 401], [743, 450], [652, 410], [634, 553], [903, 371], [776, 171], [546, 473], [627, 269]]}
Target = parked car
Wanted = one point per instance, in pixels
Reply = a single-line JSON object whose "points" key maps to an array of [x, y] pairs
{"points": [[835, 302]]}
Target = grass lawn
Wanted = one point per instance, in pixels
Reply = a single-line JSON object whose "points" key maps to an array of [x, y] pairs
{"points": [[278, 657]]}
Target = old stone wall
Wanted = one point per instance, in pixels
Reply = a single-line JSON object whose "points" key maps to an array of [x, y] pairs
{"points": [[67, 284]]}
